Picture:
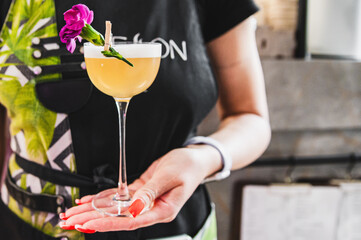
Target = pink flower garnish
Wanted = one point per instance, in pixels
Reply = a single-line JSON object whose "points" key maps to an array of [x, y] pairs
{"points": [[77, 27], [77, 16], [75, 19]]}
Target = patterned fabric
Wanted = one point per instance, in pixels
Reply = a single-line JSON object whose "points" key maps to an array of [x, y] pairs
{"points": [[38, 134]]}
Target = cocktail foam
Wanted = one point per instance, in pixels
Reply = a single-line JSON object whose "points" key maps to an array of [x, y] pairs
{"points": [[127, 50]]}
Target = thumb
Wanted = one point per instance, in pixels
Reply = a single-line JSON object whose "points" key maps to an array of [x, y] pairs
{"points": [[144, 197]]}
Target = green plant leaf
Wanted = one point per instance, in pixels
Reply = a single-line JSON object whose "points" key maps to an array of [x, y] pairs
{"points": [[45, 32], [35, 120], [32, 21], [7, 77], [8, 64], [23, 181], [16, 20], [8, 92], [8, 52], [28, 115], [49, 188], [5, 35], [48, 229], [13, 166], [19, 40], [24, 214]]}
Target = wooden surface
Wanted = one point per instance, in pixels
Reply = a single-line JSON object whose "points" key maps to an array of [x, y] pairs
{"points": [[275, 43], [280, 15]]}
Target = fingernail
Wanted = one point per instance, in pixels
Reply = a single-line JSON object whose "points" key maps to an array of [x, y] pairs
{"points": [[62, 216], [66, 227], [77, 201], [80, 228], [136, 207]]}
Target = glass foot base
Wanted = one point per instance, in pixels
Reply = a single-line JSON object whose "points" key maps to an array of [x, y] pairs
{"points": [[105, 202]]}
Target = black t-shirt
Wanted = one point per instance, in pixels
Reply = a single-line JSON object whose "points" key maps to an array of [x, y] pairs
{"points": [[222, 15], [219, 15], [163, 117]]}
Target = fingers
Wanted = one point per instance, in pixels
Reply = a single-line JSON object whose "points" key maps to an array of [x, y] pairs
{"points": [[85, 207], [81, 218], [76, 210], [154, 188], [85, 199], [159, 213], [76, 216], [90, 222], [110, 224]]}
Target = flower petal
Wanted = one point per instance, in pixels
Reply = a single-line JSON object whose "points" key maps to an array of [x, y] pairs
{"points": [[90, 17], [62, 35], [71, 45], [78, 38], [75, 19], [70, 16], [82, 9], [76, 25]]}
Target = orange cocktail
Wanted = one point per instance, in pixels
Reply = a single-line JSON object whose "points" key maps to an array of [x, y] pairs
{"points": [[117, 79], [121, 81]]}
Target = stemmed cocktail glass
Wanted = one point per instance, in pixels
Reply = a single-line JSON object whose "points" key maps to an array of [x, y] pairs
{"points": [[121, 81]]}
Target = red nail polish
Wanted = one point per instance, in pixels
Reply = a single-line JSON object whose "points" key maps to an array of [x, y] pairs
{"points": [[62, 216], [66, 227], [136, 207], [83, 230], [77, 201]]}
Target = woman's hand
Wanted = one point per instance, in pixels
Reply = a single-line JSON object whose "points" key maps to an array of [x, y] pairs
{"points": [[168, 183]]}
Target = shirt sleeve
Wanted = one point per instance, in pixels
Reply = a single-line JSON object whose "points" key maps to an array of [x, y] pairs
{"points": [[222, 15]]}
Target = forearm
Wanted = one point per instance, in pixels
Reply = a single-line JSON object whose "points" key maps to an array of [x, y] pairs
{"points": [[245, 137], [244, 131]]}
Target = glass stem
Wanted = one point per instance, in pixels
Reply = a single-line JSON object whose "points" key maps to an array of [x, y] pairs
{"points": [[122, 193]]}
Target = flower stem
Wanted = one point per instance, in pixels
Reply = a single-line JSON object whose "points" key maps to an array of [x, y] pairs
{"points": [[113, 53], [90, 34]]}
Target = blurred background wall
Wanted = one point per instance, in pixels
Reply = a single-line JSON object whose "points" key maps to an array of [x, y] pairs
{"points": [[314, 103]]}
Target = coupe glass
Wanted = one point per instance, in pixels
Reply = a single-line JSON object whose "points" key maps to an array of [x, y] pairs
{"points": [[121, 81]]}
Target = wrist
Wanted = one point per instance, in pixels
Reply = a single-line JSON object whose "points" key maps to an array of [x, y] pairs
{"points": [[225, 157], [207, 158]]}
